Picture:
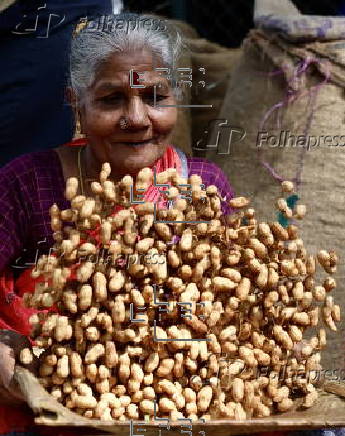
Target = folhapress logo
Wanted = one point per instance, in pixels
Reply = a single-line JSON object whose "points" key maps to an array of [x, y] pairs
{"points": [[220, 135]]}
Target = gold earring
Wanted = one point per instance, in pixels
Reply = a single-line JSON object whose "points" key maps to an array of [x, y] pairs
{"points": [[80, 26], [78, 132]]}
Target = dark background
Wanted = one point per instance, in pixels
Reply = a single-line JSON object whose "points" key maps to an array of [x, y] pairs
{"points": [[224, 21]]}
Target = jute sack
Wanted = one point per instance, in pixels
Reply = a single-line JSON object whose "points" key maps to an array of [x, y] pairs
{"points": [[218, 63], [4, 4], [277, 86]]}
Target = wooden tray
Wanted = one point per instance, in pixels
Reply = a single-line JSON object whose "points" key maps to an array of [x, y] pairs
{"points": [[329, 411]]}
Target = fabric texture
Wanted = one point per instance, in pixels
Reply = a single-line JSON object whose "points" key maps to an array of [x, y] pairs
{"points": [[284, 17], [30, 185], [321, 432]]}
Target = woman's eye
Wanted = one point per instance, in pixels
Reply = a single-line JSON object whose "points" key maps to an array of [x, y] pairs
{"points": [[150, 98], [112, 99]]}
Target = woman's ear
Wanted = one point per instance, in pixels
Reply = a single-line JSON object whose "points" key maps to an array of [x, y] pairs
{"points": [[72, 99]]}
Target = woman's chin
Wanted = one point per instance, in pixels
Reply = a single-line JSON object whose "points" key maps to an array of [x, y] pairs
{"points": [[137, 157], [133, 166]]}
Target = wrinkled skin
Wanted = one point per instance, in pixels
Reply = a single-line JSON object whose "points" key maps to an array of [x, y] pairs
{"points": [[109, 99]]}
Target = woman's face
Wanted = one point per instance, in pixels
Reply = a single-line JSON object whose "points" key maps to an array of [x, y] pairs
{"points": [[111, 98]]}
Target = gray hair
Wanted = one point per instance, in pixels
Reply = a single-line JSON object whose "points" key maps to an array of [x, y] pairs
{"points": [[121, 33]]}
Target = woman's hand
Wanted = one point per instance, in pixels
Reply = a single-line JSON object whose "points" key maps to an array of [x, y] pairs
{"points": [[11, 343]]}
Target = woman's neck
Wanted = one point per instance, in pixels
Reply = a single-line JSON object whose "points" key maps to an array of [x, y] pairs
{"points": [[77, 161], [91, 167]]}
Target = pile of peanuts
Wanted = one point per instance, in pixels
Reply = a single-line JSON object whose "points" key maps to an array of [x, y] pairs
{"points": [[250, 287]]}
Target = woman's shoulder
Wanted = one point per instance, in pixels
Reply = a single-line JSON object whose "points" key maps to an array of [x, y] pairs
{"points": [[30, 165], [210, 172], [202, 164]]}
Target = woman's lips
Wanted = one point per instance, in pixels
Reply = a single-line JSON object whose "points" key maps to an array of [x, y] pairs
{"points": [[137, 144]]}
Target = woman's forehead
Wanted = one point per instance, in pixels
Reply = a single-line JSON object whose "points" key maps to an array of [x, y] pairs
{"points": [[124, 62], [122, 68]]}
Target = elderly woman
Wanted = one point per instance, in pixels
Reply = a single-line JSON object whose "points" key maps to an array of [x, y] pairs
{"points": [[127, 122]]}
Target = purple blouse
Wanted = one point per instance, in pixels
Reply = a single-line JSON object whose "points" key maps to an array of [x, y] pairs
{"points": [[31, 183]]}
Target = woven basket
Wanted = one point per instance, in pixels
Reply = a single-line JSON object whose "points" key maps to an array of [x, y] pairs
{"points": [[329, 411]]}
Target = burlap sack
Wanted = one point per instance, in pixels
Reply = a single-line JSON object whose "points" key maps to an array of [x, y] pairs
{"points": [[4, 4], [283, 17], [258, 83], [218, 63]]}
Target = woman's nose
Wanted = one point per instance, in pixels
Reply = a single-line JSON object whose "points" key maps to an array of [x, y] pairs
{"points": [[137, 113]]}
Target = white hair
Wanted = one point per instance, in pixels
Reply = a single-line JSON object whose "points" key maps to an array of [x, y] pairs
{"points": [[121, 33]]}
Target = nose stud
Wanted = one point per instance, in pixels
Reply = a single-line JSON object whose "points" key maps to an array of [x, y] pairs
{"points": [[124, 124]]}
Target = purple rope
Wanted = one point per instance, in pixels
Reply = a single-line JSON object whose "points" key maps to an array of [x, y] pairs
{"points": [[292, 95]]}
